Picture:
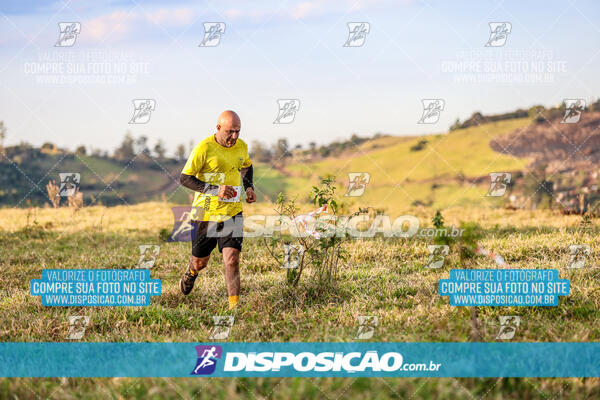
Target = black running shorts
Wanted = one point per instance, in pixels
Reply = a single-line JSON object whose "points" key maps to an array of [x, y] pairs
{"points": [[208, 234]]}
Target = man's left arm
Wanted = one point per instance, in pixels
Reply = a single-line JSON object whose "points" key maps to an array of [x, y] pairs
{"points": [[247, 177], [247, 172]]}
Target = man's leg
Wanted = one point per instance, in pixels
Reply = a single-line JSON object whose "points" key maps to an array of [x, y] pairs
{"points": [[197, 264], [186, 284], [201, 249], [231, 259]]}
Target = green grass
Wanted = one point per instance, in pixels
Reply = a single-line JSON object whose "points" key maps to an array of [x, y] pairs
{"points": [[383, 277]]}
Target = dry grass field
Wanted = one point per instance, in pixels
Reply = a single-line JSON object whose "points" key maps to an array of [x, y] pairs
{"points": [[384, 277]]}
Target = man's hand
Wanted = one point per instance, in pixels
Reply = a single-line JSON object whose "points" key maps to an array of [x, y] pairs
{"points": [[226, 192], [250, 195]]}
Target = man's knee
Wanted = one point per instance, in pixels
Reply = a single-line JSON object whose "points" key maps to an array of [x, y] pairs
{"points": [[231, 257], [199, 262]]}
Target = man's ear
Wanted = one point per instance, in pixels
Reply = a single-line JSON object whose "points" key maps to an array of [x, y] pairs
{"points": [[218, 127]]}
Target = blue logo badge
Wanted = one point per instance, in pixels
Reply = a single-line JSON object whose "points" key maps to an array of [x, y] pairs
{"points": [[207, 359]]}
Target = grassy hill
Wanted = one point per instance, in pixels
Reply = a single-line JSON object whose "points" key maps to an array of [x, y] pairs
{"points": [[433, 170], [104, 180], [441, 174]]}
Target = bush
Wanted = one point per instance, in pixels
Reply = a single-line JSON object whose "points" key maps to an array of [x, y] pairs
{"points": [[321, 248]]}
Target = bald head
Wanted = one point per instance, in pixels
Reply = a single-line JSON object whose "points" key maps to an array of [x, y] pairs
{"points": [[228, 128]]}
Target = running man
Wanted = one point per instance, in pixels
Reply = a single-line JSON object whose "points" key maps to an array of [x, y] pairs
{"points": [[216, 170]]}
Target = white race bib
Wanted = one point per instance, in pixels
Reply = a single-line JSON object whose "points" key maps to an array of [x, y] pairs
{"points": [[236, 199]]}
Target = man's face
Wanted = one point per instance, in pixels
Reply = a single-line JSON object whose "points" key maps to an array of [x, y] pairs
{"points": [[228, 132]]}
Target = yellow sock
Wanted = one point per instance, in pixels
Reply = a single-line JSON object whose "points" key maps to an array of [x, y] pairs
{"points": [[233, 300], [191, 270]]}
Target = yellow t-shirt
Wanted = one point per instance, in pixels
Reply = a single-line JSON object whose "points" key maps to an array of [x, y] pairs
{"points": [[218, 165]]}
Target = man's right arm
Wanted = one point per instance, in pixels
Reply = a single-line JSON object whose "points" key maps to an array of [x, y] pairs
{"points": [[191, 182], [192, 167]]}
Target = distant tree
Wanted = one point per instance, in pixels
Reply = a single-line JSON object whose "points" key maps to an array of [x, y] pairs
{"points": [[180, 152], [536, 113], [260, 152], [159, 149], [455, 125], [281, 150], [313, 148], [2, 135], [324, 151], [141, 145], [125, 151], [49, 148], [80, 150]]}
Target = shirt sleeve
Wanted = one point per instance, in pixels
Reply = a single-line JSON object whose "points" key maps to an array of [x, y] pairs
{"points": [[247, 177], [195, 161], [191, 182], [247, 162]]}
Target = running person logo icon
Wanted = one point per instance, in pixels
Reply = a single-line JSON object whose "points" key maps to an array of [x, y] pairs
{"points": [[432, 109], [499, 32], [212, 34], [207, 359], [499, 182], [357, 34], [287, 111], [69, 183], [142, 110], [573, 110]]}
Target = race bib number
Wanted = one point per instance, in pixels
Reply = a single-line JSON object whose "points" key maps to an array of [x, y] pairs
{"points": [[236, 199]]}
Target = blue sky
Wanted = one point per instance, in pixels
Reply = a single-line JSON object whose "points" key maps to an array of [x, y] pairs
{"points": [[283, 50]]}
